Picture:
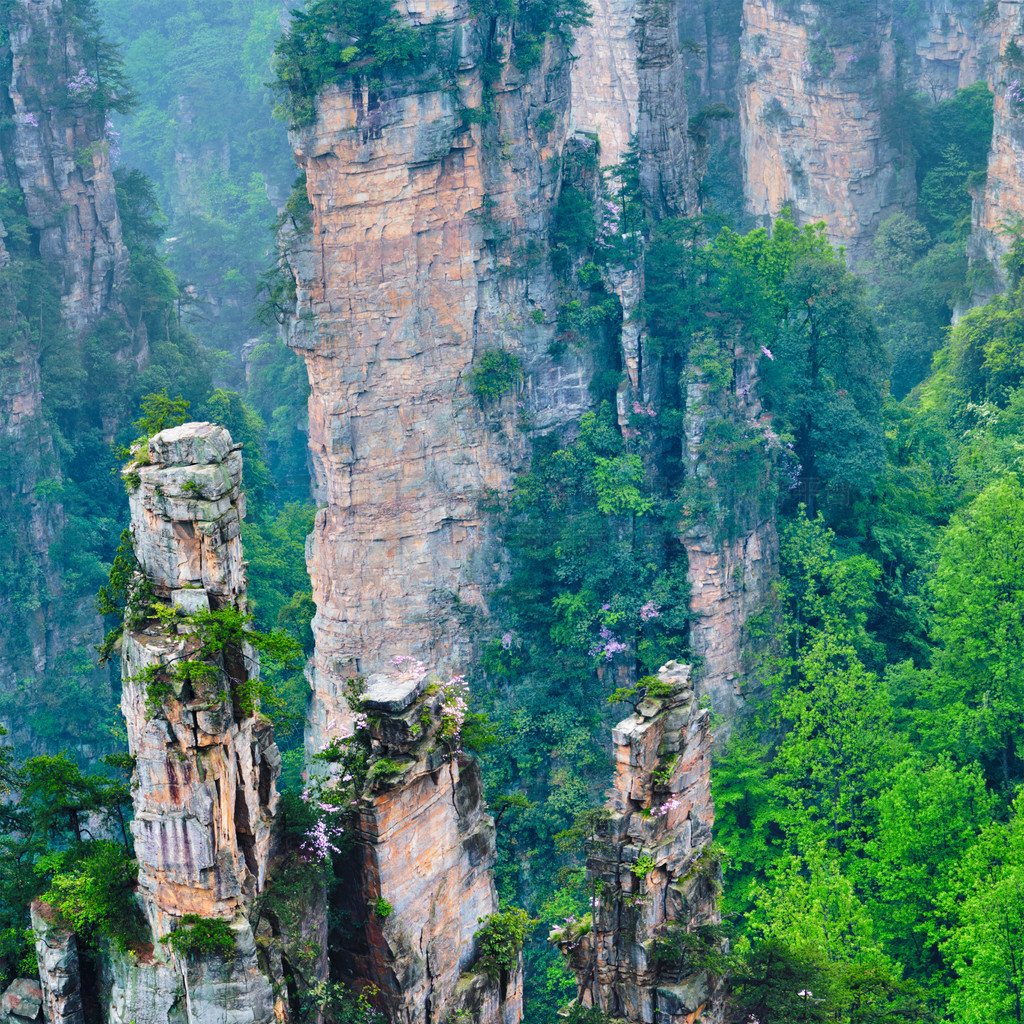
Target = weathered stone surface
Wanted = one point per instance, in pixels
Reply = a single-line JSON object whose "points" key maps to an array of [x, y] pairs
{"points": [[660, 809], [816, 142], [57, 957], [217, 990], [22, 1001], [63, 162], [605, 79], [425, 845], [731, 574], [427, 249], [205, 764], [1002, 201], [187, 512]]}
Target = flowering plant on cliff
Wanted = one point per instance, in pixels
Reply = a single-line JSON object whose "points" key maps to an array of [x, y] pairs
{"points": [[454, 708], [81, 84]]}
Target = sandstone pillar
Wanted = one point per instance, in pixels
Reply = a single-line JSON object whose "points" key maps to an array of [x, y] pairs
{"points": [[422, 863], [653, 876], [206, 763], [57, 956]]}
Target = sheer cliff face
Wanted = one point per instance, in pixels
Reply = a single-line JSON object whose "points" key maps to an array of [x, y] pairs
{"points": [[205, 766], [814, 129], [59, 160], [649, 867], [60, 206], [815, 140], [629, 82], [427, 250], [1002, 202]]}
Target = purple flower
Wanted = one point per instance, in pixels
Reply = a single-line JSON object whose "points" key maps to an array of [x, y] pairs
{"points": [[27, 119], [609, 645], [669, 805], [768, 353], [82, 82], [649, 611]]}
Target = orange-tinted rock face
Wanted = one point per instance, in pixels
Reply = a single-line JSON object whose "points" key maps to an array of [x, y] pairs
{"points": [[1002, 202], [650, 875], [424, 845], [427, 250], [815, 142]]}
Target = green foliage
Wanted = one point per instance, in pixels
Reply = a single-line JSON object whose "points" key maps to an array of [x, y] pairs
{"points": [[921, 271], [92, 887], [331, 42], [219, 639], [978, 589], [574, 227], [125, 597], [984, 945], [643, 866], [197, 938], [821, 375], [214, 166], [382, 908], [501, 939], [952, 139], [495, 373]]}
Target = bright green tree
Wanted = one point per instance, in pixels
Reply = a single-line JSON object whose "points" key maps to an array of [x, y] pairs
{"points": [[979, 626]]}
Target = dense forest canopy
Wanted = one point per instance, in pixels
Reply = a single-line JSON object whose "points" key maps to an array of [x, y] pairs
{"points": [[867, 812]]}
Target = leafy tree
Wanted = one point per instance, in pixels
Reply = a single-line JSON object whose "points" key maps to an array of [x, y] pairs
{"points": [[984, 947], [979, 625], [331, 41], [837, 747], [930, 814], [92, 888]]}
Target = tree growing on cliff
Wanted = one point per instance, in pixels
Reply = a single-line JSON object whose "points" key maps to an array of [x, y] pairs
{"points": [[333, 41]]}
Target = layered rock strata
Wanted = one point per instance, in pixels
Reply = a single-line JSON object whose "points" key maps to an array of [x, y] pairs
{"points": [[427, 252], [61, 158], [422, 865], [59, 978], [651, 872], [812, 130], [205, 763], [733, 550], [1001, 204]]}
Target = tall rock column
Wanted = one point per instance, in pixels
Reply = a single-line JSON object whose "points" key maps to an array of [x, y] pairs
{"points": [[61, 212], [205, 763], [730, 536], [427, 253], [1001, 204], [651, 871], [420, 861]]}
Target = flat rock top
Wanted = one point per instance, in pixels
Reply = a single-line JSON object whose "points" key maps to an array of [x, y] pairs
{"points": [[392, 693], [190, 444]]}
